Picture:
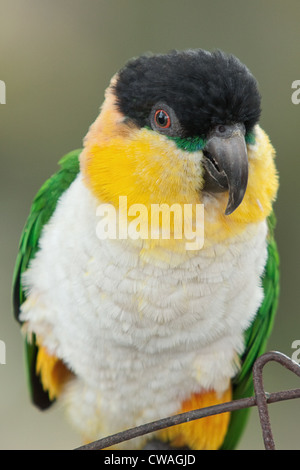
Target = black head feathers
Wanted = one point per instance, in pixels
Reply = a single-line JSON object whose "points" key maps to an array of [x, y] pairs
{"points": [[204, 89]]}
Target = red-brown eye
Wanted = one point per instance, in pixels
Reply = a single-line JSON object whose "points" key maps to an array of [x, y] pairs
{"points": [[162, 119]]}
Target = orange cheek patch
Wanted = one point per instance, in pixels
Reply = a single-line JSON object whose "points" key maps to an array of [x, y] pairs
{"points": [[201, 434]]}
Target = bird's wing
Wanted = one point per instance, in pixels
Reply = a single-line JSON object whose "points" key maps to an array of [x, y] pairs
{"points": [[42, 208], [256, 338]]}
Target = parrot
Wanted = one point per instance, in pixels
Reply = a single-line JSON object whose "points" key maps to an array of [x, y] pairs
{"points": [[123, 329]]}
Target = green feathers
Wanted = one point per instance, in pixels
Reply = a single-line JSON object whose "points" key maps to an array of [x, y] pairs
{"points": [[256, 338], [194, 144], [189, 144], [42, 208]]}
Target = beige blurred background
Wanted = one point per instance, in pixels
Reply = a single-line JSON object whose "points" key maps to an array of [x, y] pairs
{"points": [[56, 58]]}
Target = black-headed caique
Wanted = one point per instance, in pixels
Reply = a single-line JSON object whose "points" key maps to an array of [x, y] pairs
{"points": [[125, 329]]}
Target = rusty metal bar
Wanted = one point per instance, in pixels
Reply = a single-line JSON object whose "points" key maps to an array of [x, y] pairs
{"points": [[261, 396]]}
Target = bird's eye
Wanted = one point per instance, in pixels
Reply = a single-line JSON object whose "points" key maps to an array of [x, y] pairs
{"points": [[162, 119]]}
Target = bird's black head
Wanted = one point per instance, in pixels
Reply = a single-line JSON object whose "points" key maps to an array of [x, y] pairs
{"points": [[203, 101], [202, 89]]}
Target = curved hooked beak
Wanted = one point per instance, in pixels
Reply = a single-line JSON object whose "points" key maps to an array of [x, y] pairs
{"points": [[226, 163]]}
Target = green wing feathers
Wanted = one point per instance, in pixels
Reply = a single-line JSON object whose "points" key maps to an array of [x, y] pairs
{"points": [[42, 208], [256, 338]]}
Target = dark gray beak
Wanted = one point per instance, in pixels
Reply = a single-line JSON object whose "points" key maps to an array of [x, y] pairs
{"points": [[226, 163]]}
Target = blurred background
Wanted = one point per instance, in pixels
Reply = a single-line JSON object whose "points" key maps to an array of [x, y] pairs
{"points": [[56, 58]]}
